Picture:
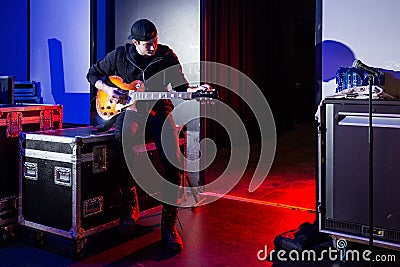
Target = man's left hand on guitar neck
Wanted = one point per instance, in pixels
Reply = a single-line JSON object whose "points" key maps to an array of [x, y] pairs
{"points": [[203, 87]]}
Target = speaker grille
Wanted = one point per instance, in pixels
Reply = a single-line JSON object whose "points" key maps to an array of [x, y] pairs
{"points": [[343, 226], [392, 235], [361, 230]]}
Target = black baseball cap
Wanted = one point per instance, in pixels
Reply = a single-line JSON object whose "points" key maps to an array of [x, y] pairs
{"points": [[143, 30]]}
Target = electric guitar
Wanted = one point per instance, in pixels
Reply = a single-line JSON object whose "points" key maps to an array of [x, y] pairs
{"points": [[108, 107]]}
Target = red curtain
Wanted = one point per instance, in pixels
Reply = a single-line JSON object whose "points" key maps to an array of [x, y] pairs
{"points": [[258, 39], [242, 35]]}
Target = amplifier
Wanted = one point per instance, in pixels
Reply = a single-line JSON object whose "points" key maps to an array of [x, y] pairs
{"points": [[6, 89], [27, 92], [343, 176]]}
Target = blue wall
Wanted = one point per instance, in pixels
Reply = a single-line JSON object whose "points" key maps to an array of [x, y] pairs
{"points": [[52, 48], [60, 54], [14, 39]]}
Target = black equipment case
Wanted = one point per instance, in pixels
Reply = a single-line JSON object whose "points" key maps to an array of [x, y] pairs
{"points": [[13, 120], [68, 182]]}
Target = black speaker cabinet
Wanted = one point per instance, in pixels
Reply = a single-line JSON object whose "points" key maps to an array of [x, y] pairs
{"points": [[6, 89], [344, 173]]}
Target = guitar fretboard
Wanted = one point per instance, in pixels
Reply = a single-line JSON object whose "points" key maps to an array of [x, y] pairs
{"points": [[159, 95]]}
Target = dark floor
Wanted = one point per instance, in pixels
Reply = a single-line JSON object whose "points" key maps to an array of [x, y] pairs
{"points": [[235, 230]]}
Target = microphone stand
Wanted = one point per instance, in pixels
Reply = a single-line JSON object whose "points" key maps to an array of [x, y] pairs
{"points": [[371, 168]]}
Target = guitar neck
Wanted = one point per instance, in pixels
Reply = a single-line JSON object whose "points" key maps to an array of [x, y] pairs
{"points": [[159, 95]]}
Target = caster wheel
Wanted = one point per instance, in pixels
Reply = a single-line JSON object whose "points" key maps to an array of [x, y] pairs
{"points": [[8, 234], [37, 239], [5, 236], [78, 248]]}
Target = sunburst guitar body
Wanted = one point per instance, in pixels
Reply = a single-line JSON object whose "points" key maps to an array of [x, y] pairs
{"points": [[107, 107]]}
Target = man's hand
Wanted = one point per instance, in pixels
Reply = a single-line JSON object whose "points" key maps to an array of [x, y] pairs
{"points": [[115, 94], [204, 87], [204, 93]]}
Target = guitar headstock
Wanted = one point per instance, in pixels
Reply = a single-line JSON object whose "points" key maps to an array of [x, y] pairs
{"points": [[205, 93]]}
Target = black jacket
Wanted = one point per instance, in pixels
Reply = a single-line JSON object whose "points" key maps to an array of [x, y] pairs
{"points": [[157, 72]]}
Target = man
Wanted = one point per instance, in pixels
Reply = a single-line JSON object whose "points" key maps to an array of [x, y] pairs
{"points": [[144, 59]]}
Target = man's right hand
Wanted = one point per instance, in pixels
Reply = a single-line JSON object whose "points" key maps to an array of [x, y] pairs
{"points": [[115, 94]]}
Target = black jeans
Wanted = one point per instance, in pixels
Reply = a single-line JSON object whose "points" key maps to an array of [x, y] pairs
{"points": [[162, 130]]}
